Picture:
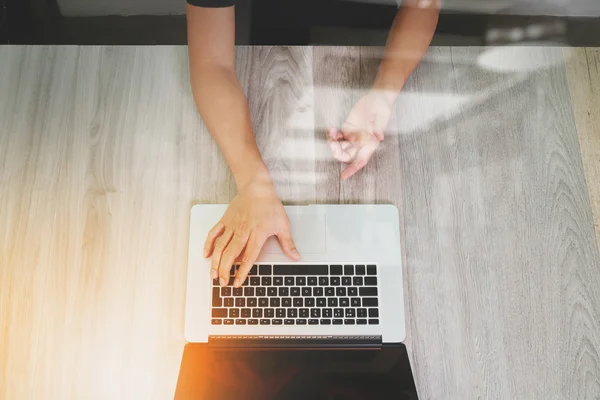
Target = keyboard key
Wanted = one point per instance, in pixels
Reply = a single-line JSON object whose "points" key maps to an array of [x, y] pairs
{"points": [[323, 281], [312, 281], [240, 322], [265, 321], [373, 322], [257, 313], [338, 321], [238, 291], [215, 321], [252, 322], [360, 270], [306, 291], [371, 270], [240, 302], [269, 312], [274, 302], [300, 322], [228, 302], [289, 281], [264, 270], [292, 313], [226, 291], [361, 321], [280, 313], [313, 322], [253, 271], [352, 291], [367, 291], [248, 291], [344, 302], [254, 281], [321, 302], [348, 269], [251, 302], [246, 282], [371, 281], [263, 302], [284, 292], [278, 281], [234, 313], [286, 302], [265, 281], [303, 313], [357, 281], [297, 302], [373, 313], [231, 279], [370, 302], [232, 270], [272, 291], [301, 281], [334, 281], [246, 312], [327, 313], [276, 321], [228, 322], [332, 302], [300, 269], [216, 282], [288, 322], [335, 270], [329, 291], [325, 322], [318, 292], [295, 291], [217, 301], [355, 302], [350, 313], [315, 312], [348, 322], [261, 291], [340, 291], [347, 281], [338, 312], [362, 312], [309, 302]]}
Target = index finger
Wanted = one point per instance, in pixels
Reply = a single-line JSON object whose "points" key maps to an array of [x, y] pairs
{"points": [[362, 158], [253, 248]]}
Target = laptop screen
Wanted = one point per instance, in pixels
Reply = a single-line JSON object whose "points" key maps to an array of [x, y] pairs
{"points": [[286, 374]]}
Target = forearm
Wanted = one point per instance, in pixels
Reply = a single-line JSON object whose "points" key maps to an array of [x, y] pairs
{"points": [[408, 41], [223, 107]]}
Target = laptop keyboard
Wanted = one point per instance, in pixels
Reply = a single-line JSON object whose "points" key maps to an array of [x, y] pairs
{"points": [[299, 295]]}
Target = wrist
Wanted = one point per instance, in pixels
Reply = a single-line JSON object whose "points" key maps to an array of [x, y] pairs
{"points": [[388, 85], [256, 175]]}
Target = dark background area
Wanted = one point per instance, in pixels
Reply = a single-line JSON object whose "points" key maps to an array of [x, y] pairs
{"points": [[279, 22]]}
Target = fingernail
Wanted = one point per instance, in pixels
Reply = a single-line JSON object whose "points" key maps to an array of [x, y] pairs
{"points": [[222, 281], [213, 273], [236, 282]]}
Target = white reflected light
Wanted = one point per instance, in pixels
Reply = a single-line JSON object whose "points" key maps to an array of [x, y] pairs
{"points": [[523, 58]]}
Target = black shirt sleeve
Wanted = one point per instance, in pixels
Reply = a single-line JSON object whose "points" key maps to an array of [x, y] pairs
{"points": [[212, 3]]}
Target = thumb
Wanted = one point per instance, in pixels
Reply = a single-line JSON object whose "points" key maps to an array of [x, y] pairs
{"points": [[288, 245], [380, 124]]}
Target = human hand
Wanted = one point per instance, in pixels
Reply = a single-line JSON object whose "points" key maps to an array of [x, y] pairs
{"points": [[255, 214], [362, 132]]}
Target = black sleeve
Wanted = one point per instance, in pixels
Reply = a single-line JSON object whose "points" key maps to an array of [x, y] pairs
{"points": [[212, 3]]}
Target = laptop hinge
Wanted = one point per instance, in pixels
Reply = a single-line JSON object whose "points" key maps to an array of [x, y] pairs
{"points": [[300, 341]]}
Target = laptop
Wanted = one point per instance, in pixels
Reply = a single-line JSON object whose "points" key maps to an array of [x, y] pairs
{"points": [[346, 293]]}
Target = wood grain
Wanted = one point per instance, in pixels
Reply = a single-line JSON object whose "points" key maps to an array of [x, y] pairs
{"points": [[102, 154]]}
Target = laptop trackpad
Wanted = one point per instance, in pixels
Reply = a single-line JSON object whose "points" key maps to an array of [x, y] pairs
{"points": [[308, 231]]}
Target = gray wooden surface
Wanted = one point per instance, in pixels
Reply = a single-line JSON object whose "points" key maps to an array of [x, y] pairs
{"points": [[102, 154]]}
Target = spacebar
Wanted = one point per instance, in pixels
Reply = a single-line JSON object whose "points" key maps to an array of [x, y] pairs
{"points": [[300, 270]]}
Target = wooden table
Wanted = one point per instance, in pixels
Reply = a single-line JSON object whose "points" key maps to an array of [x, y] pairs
{"points": [[102, 154]]}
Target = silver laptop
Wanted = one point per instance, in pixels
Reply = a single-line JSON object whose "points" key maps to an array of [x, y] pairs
{"points": [[347, 288]]}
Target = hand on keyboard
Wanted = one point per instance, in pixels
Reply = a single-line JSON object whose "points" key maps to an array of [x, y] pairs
{"points": [[255, 214]]}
